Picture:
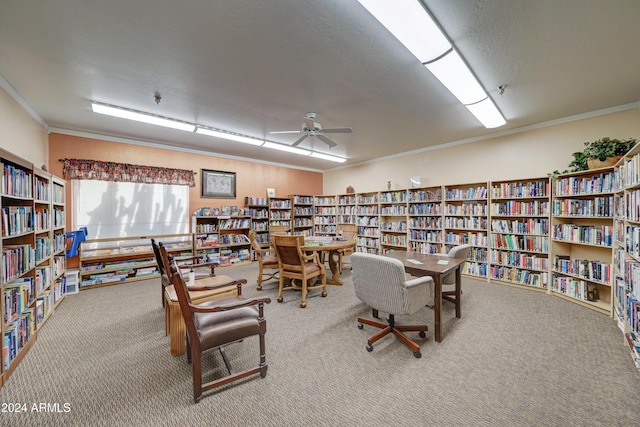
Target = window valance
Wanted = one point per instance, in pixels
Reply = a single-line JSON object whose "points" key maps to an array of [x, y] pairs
{"points": [[124, 172]]}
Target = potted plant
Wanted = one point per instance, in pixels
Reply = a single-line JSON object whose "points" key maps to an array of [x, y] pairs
{"points": [[599, 153]]}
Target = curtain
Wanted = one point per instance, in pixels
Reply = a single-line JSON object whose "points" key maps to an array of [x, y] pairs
{"points": [[124, 172]]}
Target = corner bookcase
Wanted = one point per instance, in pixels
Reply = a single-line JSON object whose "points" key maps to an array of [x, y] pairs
{"points": [[222, 239], [33, 255]]}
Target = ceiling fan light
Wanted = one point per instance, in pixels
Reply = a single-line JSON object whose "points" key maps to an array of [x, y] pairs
{"points": [[229, 136], [328, 157], [286, 148], [412, 25], [138, 116], [487, 113]]}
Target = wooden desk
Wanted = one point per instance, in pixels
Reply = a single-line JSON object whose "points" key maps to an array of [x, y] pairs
{"points": [[330, 247], [428, 266], [174, 323]]}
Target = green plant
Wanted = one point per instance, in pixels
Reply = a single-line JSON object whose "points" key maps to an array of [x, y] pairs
{"points": [[599, 149]]}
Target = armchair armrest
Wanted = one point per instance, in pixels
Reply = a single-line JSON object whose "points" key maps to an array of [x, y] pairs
{"points": [[418, 281], [311, 257], [225, 281], [196, 308]]}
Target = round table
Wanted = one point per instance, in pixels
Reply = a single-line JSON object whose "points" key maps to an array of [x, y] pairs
{"points": [[330, 247]]}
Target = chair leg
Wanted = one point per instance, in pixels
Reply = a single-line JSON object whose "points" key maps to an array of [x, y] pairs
{"points": [[303, 298], [397, 330]]}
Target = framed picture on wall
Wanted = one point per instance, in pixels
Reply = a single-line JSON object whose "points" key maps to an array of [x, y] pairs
{"points": [[218, 184]]}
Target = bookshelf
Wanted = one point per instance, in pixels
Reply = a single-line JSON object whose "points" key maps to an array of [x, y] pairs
{"points": [[222, 239], [302, 215], [368, 237], [280, 211], [346, 208], [113, 261], [425, 220], [465, 222], [325, 219], [33, 243], [393, 220], [519, 239], [259, 213], [626, 251], [582, 238]]}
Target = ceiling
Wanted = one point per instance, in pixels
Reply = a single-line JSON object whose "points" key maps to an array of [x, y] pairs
{"points": [[253, 67]]}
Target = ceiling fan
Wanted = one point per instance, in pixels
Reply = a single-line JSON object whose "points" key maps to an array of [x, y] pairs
{"points": [[312, 128]]}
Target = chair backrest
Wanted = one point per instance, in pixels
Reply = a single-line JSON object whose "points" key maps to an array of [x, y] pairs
{"points": [[277, 229], [349, 231], [460, 251], [379, 282], [254, 242], [288, 252], [168, 264]]}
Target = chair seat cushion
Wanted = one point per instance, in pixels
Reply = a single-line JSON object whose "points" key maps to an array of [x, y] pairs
{"points": [[269, 261], [311, 268], [215, 329]]}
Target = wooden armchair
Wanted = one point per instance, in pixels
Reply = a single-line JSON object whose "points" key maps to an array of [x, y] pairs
{"points": [[294, 264], [193, 263], [216, 324], [266, 260]]}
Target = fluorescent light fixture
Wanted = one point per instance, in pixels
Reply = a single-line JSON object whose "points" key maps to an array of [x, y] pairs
{"points": [[411, 23], [138, 116], [286, 148], [328, 157], [487, 113], [230, 136], [454, 74]]}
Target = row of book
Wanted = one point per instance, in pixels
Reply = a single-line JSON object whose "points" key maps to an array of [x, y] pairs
{"points": [[426, 222], [475, 268], [393, 226], [632, 205], [16, 260], [326, 228], [367, 221], [593, 235], [17, 297], [319, 211], [41, 219], [16, 181], [346, 210], [280, 215], [367, 200], [476, 209], [516, 275], [577, 185], [570, 286], [632, 240], [16, 335], [400, 210], [517, 207], [368, 210], [393, 240], [393, 197], [433, 236], [424, 248], [630, 171], [425, 209], [474, 239], [520, 242], [425, 195], [518, 259], [303, 200], [584, 268], [521, 189], [303, 222], [324, 201], [367, 242], [596, 207], [466, 194], [280, 204], [467, 222], [538, 226], [235, 224], [17, 220], [42, 192], [324, 220]]}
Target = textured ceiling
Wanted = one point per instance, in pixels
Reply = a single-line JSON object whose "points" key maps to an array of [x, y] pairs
{"points": [[258, 66]]}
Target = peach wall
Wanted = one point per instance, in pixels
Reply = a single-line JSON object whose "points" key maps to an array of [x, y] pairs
{"points": [[22, 135], [252, 179], [529, 154]]}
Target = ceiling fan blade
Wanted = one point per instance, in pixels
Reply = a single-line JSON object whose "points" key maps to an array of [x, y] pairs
{"points": [[338, 130], [326, 140], [285, 131], [302, 138]]}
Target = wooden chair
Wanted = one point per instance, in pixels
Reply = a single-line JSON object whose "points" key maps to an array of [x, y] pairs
{"points": [[266, 260], [448, 281], [193, 263], [277, 229], [349, 231], [294, 264], [380, 282], [216, 324]]}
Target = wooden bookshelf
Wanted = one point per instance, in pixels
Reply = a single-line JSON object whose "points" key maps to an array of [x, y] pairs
{"points": [[425, 220], [346, 208], [280, 212], [519, 239], [582, 231], [392, 211], [222, 239], [302, 214], [325, 219], [33, 255], [368, 237], [259, 213]]}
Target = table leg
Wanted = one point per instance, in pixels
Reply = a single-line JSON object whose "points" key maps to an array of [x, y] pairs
{"points": [[458, 292], [438, 304], [335, 269]]}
